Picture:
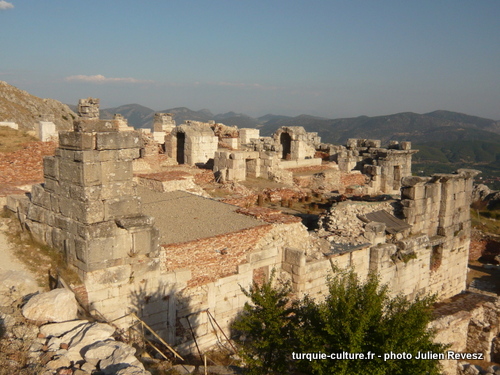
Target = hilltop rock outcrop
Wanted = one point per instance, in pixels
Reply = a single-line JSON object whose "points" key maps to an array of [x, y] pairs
{"points": [[27, 110]]}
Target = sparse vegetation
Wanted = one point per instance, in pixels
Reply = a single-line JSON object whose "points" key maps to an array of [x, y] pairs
{"points": [[39, 259], [355, 317], [486, 221], [13, 140]]}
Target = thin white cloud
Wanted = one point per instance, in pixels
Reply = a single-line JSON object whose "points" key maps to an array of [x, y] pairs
{"points": [[99, 78], [244, 85], [4, 5]]}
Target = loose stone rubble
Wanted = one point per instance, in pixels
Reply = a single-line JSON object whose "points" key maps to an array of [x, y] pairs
{"points": [[78, 346]]}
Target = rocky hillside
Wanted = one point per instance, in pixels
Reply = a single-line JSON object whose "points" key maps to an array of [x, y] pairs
{"points": [[26, 110]]}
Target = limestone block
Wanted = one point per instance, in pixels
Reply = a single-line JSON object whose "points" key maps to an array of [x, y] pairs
{"points": [[66, 224], [295, 257], [51, 185], [118, 189], [99, 279], [36, 213], [77, 141], [58, 237], [118, 140], [85, 193], [51, 167], [113, 171], [119, 207], [83, 174], [446, 220], [39, 196], [46, 307], [141, 241], [128, 154], [85, 212]]}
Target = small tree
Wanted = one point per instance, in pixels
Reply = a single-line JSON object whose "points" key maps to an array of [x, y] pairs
{"points": [[264, 328], [355, 317]]}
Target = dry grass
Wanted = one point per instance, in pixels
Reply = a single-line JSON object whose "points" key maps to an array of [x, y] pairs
{"points": [[12, 140], [40, 259], [484, 224]]}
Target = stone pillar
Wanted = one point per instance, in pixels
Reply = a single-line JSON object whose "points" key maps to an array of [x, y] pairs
{"points": [[88, 108]]}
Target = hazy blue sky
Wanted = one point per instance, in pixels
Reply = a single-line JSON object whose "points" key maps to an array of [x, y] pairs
{"points": [[327, 58]]}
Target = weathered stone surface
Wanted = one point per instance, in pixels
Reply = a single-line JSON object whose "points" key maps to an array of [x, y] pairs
{"points": [[58, 305], [183, 369], [58, 363], [92, 333], [59, 329], [15, 285], [132, 370], [122, 357], [100, 350]]}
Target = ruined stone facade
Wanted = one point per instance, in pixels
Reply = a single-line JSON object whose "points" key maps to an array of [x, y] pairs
{"points": [[266, 157], [89, 108], [191, 143], [90, 209], [163, 124], [385, 166]]}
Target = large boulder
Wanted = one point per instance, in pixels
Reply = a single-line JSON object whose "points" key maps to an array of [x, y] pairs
{"points": [[90, 334], [58, 305]]}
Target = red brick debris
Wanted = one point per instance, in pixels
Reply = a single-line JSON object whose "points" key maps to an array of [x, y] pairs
{"points": [[353, 179], [314, 168], [214, 257], [484, 246], [25, 166], [205, 176]]}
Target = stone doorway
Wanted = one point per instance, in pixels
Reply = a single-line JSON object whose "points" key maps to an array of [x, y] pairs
{"points": [[286, 145], [181, 142]]}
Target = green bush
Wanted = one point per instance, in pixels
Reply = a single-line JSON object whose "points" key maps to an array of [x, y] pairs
{"points": [[355, 317]]}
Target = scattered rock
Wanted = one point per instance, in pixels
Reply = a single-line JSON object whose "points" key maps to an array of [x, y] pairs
{"points": [[92, 333], [58, 305], [183, 369], [15, 285], [59, 329], [58, 363]]}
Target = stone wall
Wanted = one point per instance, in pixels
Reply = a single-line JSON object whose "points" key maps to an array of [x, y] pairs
{"points": [[238, 165], [163, 124], [247, 134], [88, 209], [385, 167], [470, 324], [431, 255], [294, 143], [191, 143]]}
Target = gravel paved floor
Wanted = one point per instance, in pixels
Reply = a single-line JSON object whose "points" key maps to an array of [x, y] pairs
{"points": [[182, 217]]}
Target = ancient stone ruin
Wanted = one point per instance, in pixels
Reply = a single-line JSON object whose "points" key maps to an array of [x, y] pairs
{"points": [[179, 260]]}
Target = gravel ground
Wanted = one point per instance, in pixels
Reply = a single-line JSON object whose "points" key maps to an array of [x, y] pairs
{"points": [[183, 217]]}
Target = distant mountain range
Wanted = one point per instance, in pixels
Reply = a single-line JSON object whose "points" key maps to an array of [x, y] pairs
{"points": [[446, 140], [419, 128]]}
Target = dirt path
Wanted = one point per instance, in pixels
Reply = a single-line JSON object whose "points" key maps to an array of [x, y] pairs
{"points": [[8, 261]]}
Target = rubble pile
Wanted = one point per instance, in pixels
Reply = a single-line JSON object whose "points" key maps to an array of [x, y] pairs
{"points": [[341, 224], [76, 347]]}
